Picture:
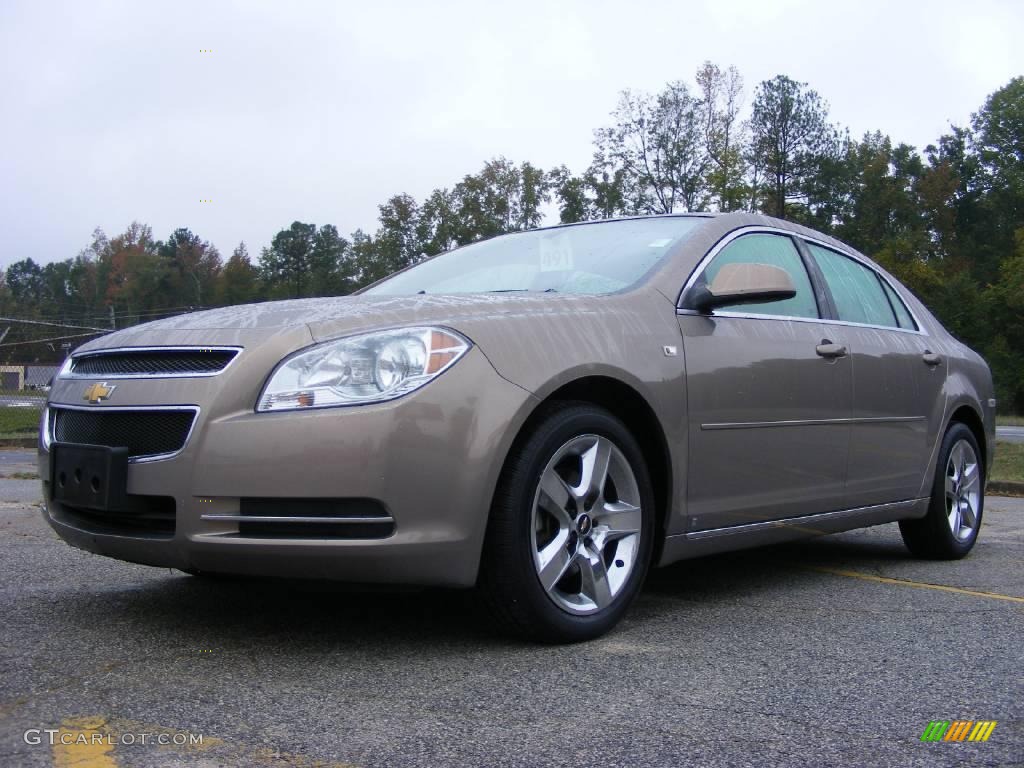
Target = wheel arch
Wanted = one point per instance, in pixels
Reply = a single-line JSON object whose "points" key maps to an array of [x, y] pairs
{"points": [[627, 404], [960, 412], [968, 416]]}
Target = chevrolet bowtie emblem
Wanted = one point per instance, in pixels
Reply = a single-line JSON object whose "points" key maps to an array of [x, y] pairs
{"points": [[98, 392]]}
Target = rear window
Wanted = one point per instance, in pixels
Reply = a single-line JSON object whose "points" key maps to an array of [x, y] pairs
{"points": [[856, 290], [903, 316]]}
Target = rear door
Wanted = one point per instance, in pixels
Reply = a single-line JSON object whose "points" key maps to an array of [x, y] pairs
{"points": [[768, 411], [895, 377]]}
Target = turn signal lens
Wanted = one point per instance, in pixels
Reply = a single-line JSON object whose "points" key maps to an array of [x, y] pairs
{"points": [[444, 348]]}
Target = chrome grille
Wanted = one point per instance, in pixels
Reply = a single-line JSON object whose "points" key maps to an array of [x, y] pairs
{"points": [[153, 362], [145, 433]]}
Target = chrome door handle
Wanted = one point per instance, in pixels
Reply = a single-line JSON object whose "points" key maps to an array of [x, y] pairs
{"points": [[930, 358], [829, 350]]}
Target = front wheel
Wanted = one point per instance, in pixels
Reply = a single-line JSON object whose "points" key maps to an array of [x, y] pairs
{"points": [[570, 535], [951, 527]]}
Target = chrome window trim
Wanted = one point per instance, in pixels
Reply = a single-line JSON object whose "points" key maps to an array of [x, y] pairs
{"points": [[175, 348], [760, 229], [146, 458]]}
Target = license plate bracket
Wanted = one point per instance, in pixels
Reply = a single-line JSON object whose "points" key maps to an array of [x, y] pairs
{"points": [[92, 476]]}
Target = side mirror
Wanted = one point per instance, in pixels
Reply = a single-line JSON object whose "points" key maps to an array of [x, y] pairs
{"points": [[741, 284]]}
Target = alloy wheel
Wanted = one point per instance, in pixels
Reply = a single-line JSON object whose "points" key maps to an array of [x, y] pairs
{"points": [[587, 523], [963, 490]]}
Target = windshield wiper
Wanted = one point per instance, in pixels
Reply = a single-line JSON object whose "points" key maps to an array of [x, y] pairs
{"points": [[523, 290]]}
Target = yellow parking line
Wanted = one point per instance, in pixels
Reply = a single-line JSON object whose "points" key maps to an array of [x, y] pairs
{"points": [[87, 744], [919, 584]]}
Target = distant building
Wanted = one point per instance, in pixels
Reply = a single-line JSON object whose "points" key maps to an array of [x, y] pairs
{"points": [[12, 377]]}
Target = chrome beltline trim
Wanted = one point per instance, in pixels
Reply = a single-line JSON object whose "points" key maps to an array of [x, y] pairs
{"points": [[726, 315], [789, 522]]}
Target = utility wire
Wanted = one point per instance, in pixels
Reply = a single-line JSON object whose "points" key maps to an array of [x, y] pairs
{"points": [[55, 338], [79, 318], [55, 325]]}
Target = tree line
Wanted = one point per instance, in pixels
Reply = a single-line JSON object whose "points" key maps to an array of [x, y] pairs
{"points": [[947, 219]]}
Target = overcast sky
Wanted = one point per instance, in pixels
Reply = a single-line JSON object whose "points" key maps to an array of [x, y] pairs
{"points": [[321, 111]]}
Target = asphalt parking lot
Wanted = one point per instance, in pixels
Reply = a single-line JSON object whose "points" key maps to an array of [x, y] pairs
{"points": [[836, 651]]}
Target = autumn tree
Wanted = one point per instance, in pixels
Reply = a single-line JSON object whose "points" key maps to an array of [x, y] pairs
{"points": [[502, 197], [135, 273], [790, 137], [330, 266], [654, 152], [303, 261], [947, 220], [25, 281], [237, 283], [724, 135], [397, 241], [191, 266]]}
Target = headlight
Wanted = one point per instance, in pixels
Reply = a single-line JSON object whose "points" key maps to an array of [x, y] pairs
{"points": [[370, 368]]}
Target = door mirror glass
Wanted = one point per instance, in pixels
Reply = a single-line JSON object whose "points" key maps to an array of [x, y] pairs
{"points": [[744, 283]]}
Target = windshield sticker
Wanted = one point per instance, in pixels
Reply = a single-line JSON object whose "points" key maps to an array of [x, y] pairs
{"points": [[556, 254]]}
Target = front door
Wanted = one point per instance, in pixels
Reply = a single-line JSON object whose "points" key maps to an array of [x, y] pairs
{"points": [[769, 398]]}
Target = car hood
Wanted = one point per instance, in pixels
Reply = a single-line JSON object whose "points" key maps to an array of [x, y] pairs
{"points": [[331, 317], [341, 311], [537, 341]]}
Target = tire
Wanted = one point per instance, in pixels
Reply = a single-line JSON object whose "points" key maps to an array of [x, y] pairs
{"points": [[547, 519], [932, 536]]}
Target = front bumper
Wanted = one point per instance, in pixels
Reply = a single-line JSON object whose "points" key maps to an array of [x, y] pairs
{"points": [[430, 459]]}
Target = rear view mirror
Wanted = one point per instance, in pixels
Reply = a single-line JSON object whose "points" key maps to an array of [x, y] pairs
{"points": [[741, 284]]}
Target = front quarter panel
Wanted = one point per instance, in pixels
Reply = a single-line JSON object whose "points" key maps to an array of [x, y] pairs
{"points": [[633, 338]]}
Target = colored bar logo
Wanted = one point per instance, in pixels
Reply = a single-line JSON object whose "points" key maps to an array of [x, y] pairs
{"points": [[958, 730]]}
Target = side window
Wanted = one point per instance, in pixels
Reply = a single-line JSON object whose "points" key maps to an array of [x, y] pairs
{"points": [[857, 291], [778, 251], [902, 313]]}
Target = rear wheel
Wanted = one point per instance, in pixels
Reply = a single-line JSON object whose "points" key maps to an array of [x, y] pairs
{"points": [[570, 535], [951, 526]]}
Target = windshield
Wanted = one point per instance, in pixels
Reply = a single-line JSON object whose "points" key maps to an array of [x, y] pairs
{"points": [[600, 257]]}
